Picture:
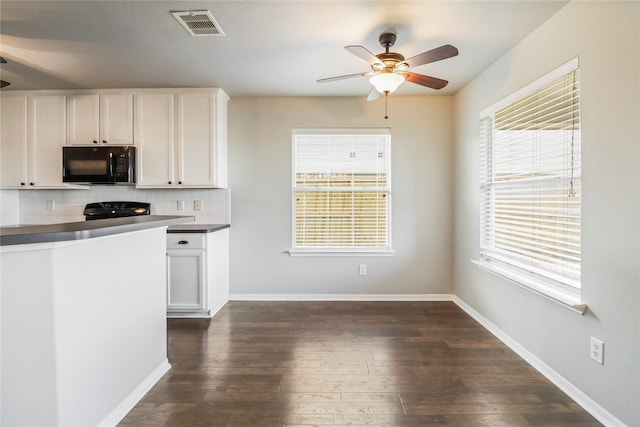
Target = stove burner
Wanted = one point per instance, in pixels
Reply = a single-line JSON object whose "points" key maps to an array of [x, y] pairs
{"points": [[102, 210]]}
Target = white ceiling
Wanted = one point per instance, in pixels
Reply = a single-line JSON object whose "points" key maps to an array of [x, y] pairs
{"points": [[271, 48]]}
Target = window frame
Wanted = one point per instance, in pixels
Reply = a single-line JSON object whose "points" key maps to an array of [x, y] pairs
{"points": [[565, 289], [301, 250]]}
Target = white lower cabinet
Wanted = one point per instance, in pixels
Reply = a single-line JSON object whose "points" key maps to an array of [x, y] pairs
{"points": [[186, 279], [197, 272]]}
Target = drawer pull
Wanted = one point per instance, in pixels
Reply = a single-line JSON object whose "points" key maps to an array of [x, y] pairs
{"points": [[183, 242]]}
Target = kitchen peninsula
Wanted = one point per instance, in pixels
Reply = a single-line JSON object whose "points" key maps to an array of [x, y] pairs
{"points": [[83, 312]]}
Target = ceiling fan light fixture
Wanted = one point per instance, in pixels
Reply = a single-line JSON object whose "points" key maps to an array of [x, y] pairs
{"points": [[386, 82]]}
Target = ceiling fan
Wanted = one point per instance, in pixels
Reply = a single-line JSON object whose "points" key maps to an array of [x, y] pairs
{"points": [[390, 69], [2, 82]]}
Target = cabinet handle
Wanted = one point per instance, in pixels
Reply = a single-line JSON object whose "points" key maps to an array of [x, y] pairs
{"points": [[183, 242], [104, 141], [32, 183], [169, 182], [180, 182], [23, 183], [95, 142]]}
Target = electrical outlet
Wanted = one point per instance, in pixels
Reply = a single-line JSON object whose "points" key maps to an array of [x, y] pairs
{"points": [[197, 205], [596, 350], [51, 205], [180, 205], [362, 269]]}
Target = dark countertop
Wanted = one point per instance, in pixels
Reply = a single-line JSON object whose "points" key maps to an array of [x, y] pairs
{"points": [[85, 230], [196, 228]]}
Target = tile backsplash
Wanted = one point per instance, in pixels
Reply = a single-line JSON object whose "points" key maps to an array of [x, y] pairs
{"points": [[56, 206]]}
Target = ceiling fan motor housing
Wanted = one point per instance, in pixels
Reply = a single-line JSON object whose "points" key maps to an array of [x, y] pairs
{"points": [[389, 59], [387, 40]]}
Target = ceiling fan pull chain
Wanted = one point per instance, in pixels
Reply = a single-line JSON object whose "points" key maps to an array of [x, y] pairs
{"points": [[386, 109]]}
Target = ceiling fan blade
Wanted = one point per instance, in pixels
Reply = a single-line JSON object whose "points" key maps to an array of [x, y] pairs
{"points": [[373, 95], [364, 53], [428, 81], [433, 55], [347, 76]]}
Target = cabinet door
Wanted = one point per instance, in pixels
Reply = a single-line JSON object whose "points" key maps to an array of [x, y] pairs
{"points": [[186, 279], [155, 136], [196, 139], [46, 138], [13, 141], [116, 119], [83, 112]]}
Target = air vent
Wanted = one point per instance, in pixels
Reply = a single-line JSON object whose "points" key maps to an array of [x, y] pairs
{"points": [[198, 23]]}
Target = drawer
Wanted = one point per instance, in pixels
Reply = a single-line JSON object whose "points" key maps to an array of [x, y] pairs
{"points": [[185, 241]]}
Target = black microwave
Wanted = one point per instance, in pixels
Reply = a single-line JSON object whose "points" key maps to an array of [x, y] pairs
{"points": [[99, 165]]}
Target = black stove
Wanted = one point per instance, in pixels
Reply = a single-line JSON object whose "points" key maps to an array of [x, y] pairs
{"points": [[102, 210]]}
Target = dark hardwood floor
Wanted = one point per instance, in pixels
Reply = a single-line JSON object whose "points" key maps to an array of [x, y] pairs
{"points": [[347, 363]]}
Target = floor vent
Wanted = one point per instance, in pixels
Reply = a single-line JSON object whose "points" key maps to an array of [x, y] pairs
{"points": [[198, 23]]}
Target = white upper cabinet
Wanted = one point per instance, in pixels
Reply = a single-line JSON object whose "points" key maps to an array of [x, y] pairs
{"points": [[116, 119], [33, 133], [48, 135], [185, 146], [83, 117], [13, 141], [196, 139], [181, 134], [155, 137], [94, 118]]}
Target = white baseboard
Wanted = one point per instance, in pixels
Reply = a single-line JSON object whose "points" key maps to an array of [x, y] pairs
{"points": [[341, 297], [589, 405], [123, 408]]}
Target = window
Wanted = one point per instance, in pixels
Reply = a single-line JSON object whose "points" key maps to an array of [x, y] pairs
{"points": [[530, 186], [341, 191]]}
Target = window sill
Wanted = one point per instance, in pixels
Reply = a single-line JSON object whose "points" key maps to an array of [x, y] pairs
{"points": [[564, 298], [340, 252]]}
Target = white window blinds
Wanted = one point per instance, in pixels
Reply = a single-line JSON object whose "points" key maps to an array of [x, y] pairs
{"points": [[530, 181], [341, 189]]}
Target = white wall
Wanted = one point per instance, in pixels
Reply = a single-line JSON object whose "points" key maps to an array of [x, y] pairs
{"points": [[260, 178], [9, 207], [606, 37]]}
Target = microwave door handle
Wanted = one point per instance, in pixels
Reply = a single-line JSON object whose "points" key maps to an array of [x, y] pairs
{"points": [[112, 176]]}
